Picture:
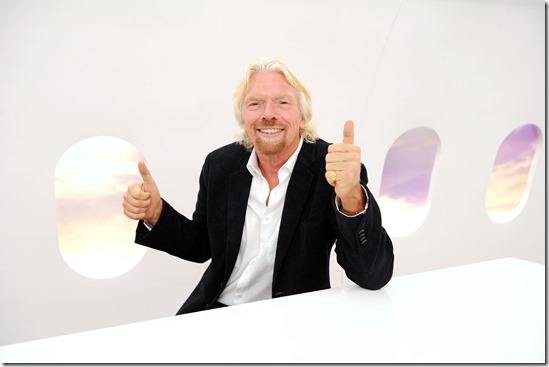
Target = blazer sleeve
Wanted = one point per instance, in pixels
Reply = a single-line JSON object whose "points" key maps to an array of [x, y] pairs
{"points": [[178, 235], [363, 248]]}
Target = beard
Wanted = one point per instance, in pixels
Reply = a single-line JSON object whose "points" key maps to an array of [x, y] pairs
{"points": [[268, 146]]}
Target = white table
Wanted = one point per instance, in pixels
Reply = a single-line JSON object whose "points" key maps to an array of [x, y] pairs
{"points": [[490, 312]]}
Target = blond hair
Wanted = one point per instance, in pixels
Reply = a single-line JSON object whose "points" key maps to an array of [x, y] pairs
{"points": [[309, 132]]}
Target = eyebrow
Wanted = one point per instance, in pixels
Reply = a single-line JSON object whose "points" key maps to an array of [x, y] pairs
{"points": [[281, 96]]}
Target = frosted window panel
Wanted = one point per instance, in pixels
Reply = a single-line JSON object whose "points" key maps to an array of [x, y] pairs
{"points": [[513, 168], [405, 190], [95, 237]]}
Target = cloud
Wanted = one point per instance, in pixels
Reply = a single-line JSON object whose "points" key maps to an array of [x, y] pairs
{"points": [[89, 209], [520, 145], [95, 238], [400, 218]]}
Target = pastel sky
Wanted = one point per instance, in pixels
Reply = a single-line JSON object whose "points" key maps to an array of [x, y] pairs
{"points": [[406, 180], [95, 238], [511, 175]]}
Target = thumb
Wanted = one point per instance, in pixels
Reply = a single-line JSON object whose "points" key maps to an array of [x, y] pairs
{"points": [[148, 181], [349, 132]]}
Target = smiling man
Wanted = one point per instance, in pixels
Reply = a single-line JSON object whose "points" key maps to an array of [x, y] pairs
{"points": [[271, 206]]}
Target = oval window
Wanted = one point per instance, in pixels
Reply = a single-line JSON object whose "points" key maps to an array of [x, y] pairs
{"points": [[95, 238], [405, 190], [510, 180]]}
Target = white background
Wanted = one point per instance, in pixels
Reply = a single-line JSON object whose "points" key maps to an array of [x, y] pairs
{"points": [[160, 75]]}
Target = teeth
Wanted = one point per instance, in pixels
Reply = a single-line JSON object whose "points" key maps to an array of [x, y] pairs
{"points": [[270, 131]]}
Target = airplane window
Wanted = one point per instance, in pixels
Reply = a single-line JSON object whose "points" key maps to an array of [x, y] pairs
{"points": [[510, 180], [405, 189], [95, 238]]}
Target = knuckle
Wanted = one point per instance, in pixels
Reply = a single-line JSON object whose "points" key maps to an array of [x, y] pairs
{"points": [[134, 189]]}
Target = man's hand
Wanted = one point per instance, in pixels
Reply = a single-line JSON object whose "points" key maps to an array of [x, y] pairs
{"points": [[343, 171], [142, 201]]}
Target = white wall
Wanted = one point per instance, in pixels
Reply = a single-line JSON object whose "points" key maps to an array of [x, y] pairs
{"points": [[160, 74]]}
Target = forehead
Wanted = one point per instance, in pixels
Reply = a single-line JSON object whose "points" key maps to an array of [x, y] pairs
{"points": [[269, 83]]}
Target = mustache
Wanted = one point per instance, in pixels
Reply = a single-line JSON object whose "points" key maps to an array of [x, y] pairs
{"points": [[265, 124]]}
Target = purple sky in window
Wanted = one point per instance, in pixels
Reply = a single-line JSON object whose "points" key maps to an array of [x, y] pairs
{"points": [[406, 180], [510, 179], [409, 165]]}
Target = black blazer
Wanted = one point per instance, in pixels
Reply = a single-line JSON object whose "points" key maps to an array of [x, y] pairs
{"points": [[309, 228]]}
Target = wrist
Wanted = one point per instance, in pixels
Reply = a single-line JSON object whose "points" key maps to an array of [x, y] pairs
{"points": [[354, 203], [156, 216]]}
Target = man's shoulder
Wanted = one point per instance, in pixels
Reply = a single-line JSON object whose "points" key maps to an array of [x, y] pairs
{"points": [[319, 148], [229, 154], [322, 145], [234, 148]]}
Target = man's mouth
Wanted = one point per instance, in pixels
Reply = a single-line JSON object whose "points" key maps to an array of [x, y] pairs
{"points": [[269, 131]]}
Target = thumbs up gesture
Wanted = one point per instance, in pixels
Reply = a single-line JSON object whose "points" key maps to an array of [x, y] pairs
{"points": [[142, 201], [343, 171]]}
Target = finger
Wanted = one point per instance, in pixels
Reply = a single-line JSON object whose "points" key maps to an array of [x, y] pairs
{"points": [[133, 209], [146, 176], [337, 167], [342, 155], [134, 216], [329, 178], [349, 132], [132, 201], [137, 193]]}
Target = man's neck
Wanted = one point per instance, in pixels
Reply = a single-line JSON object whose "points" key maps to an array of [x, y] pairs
{"points": [[271, 164]]}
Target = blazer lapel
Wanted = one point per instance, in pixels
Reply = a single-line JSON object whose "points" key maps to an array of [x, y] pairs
{"points": [[239, 189], [296, 197]]}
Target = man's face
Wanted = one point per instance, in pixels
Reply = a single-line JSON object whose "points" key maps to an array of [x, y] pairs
{"points": [[272, 118]]}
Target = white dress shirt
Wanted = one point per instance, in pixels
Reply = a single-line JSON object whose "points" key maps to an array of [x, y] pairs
{"points": [[252, 276]]}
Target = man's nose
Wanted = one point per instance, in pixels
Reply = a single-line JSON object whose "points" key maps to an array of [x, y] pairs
{"points": [[269, 111]]}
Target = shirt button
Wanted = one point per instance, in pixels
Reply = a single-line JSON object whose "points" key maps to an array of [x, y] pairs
{"points": [[267, 218]]}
